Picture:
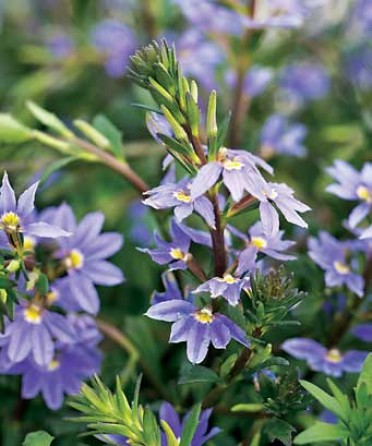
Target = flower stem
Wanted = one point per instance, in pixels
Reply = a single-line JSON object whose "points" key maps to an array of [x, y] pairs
{"points": [[240, 102], [111, 161], [111, 332]]}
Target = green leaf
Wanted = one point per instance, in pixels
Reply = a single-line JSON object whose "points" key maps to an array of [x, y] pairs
{"points": [[321, 432], [56, 165], [111, 132], [365, 375], [326, 400], [281, 430], [151, 431], [40, 438], [50, 120], [249, 407], [190, 426], [171, 438], [191, 374], [12, 131], [42, 284]]}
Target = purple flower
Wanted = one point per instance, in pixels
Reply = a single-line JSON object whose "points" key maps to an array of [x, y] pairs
{"points": [[363, 331], [238, 169], [208, 15], [282, 196], [360, 24], [353, 185], [83, 255], [331, 362], [66, 370], [358, 68], [171, 292], [257, 241], [201, 435], [279, 136], [175, 253], [278, 14], [156, 123], [19, 217], [117, 42], [60, 44], [332, 256], [304, 82], [169, 415], [255, 81], [197, 327], [227, 286], [179, 197], [140, 223], [33, 332], [192, 47]]}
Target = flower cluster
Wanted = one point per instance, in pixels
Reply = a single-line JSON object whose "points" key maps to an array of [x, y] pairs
{"points": [[221, 183], [55, 263]]}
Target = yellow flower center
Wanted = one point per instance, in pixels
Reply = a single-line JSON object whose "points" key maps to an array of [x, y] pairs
{"points": [[10, 222], [182, 196], [341, 268], [75, 260], [334, 355], [232, 164], [32, 314], [204, 316], [29, 243], [258, 242], [271, 194], [177, 254], [52, 297], [53, 365], [364, 194], [228, 278]]}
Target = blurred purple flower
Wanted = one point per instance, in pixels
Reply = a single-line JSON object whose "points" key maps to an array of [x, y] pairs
{"points": [[179, 197], [228, 287], [359, 68], [332, 256], [353, 185], [197, 327], [255, 81], [116, 41], [60, 44], [208, 15], [304, 82], [193, 47], [363, 331], [331, 362], [138, 214], [84, 255], [279, 136]]}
